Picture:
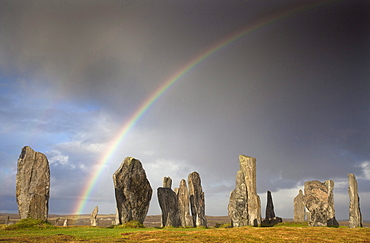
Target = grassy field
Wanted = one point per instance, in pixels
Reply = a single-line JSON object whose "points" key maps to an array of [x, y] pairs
{"points": [[286, 232]]}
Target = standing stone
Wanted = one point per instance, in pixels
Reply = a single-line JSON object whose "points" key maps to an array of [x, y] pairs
{"points": [[245, 205], [133, 191], [6, 220], [93, 217], [169, 205], [355, 217], [238, 207], [65, 222], [183, 201], [167, 182], [270, 218], [319, 200], [299, 210], [270, 213], [33, 184], [248, 166], [197, 202]]}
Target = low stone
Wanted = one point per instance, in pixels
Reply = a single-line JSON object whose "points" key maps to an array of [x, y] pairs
{"points": [[94, 215], [33, 185], [271, 221], [355, 217], [132, 190], [169, 205]]}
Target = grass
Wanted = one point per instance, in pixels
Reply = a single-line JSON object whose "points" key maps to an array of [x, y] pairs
{"points": [[284, 232]]}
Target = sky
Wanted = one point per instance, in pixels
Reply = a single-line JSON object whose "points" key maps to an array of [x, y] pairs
{"points": [[291, 89]]}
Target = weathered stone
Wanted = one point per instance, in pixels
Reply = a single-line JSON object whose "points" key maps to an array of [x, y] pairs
{"points": [[252, 208], [33, 184], [197, 200], [270, 218], [238, 207], [355, 217], [133, 191], [167, 182], [319, 200], [299, 209], [6, 220], [248, 166], [183, 200], [169, 205], [94, 215], [65, 222]]}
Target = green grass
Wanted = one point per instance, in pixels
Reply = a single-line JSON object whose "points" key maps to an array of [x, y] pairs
{"points": [[37, 232]]}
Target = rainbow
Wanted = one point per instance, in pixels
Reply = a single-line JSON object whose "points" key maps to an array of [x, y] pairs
{"points": [[212, 49]]}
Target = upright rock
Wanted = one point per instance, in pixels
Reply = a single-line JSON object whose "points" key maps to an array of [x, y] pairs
{"points": [[238, 205], [319, 200], [169, 205], [270, 212], [270, 218], [33, 184], [355, 217], [299, 210], [183, 201], [252, 207], [94, 215], [197, 201], [133, 191], [248, 166], [167, 182]]}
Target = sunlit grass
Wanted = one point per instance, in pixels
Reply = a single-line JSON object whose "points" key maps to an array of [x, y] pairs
{"points": [[284, 232]]}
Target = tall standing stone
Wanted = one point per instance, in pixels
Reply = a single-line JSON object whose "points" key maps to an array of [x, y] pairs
{"points": [[319, 200], [183, 200], [248, 166], [93, 217], [238, 205], [355, 217], [299, 210], [197, 200], [169, 205], [133, 191], [245, 205], [33, 184]]}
